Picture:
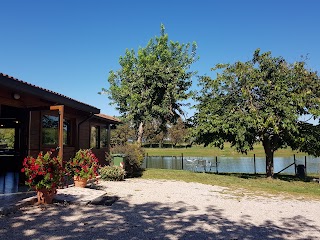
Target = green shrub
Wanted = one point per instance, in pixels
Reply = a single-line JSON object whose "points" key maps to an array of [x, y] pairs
{"points": [[134, 157], [112, 173]]}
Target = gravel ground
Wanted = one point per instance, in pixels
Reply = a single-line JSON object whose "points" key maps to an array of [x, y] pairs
{"points": [[153, 209]]}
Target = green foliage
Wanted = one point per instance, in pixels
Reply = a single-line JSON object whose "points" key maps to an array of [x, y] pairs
{"points": [[134, 157], [50, 130], [83, 165], [154, 133], [152, 82], [49, 136], [259, 101], [112, 173], [7, 137], [122, 134], [178, 132], [150, 132]]}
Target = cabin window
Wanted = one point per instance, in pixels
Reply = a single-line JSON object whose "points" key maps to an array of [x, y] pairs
{"points": [[103, 137], [50, 130], [7, 136], [95, 137]]}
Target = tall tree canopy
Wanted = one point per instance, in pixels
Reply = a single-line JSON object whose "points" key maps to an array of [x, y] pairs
{"points": [[153, 83], [260, 100]]}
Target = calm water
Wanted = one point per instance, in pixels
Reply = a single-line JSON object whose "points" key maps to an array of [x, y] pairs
{"points": [[231, 164]]}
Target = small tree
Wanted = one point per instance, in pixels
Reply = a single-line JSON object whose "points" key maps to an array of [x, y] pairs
{"points": [[177, 132], [160, 137], [259, 101], [153, 132]]}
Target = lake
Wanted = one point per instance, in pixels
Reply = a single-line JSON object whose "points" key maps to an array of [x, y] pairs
{"points": [[232, 164]]}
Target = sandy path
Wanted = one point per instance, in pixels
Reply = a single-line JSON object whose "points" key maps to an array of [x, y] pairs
{"points": [[149, 209]]}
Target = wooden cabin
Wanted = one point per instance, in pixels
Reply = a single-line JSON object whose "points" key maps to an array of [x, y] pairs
{"points": [[30, 118]]}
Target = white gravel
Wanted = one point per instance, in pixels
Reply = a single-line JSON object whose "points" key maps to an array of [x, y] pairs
{"points": [[153, 209]]}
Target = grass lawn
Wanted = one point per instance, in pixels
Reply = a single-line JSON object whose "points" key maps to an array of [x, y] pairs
{"points": [[287, 186], [200, 151]]}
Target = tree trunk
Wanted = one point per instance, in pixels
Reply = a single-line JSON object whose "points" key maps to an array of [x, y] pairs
{"points": [[140, 133], [269, 157]]}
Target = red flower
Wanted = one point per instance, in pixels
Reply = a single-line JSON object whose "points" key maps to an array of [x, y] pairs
{"points": [[84, 164], [43, 172]]}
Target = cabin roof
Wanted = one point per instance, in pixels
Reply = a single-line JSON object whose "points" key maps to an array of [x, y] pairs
{"points": [[57, 98], [107, 117]]}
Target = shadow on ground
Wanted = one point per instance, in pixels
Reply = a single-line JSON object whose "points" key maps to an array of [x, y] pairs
{"points": [[144, 221]]}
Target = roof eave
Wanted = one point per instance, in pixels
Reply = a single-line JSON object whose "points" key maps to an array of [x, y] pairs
{"points": [[20, 86]]}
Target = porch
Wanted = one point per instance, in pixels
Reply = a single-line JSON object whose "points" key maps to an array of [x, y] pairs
{"points": [[34, 119]]}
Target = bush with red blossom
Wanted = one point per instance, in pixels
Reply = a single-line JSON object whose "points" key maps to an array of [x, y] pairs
{"points": [[84, 165], [43, 172]]}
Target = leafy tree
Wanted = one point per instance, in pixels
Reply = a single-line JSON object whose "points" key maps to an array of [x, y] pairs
{"points": [[153, 83], [122, 133], [259, 101], [160, 137], [151, 131], [178, 132]]}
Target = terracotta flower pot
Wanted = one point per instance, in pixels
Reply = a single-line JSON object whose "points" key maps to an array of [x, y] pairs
{"points": [[80, 182], [45, 196]]}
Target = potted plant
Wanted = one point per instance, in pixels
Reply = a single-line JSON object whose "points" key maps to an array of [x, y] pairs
{"points": [[82, 167], [44, 174]]}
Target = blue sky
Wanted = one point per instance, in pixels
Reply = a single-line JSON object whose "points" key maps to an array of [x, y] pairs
{"points": [[69, 46]]}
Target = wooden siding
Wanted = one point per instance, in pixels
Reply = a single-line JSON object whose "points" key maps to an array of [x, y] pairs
{"points": [[34, 133], [100, 154], [84, 135]]}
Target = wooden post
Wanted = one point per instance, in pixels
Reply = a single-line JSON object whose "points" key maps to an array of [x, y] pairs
{"points": [[108, 138], [181, 161], [175, 163], [217, 165], [147, 160], [254, 164], [60, 109], [295, 166], [162, 162], [305, 165]]}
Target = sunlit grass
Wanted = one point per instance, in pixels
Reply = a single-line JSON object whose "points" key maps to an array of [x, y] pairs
{"points": [[287, 186]]}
